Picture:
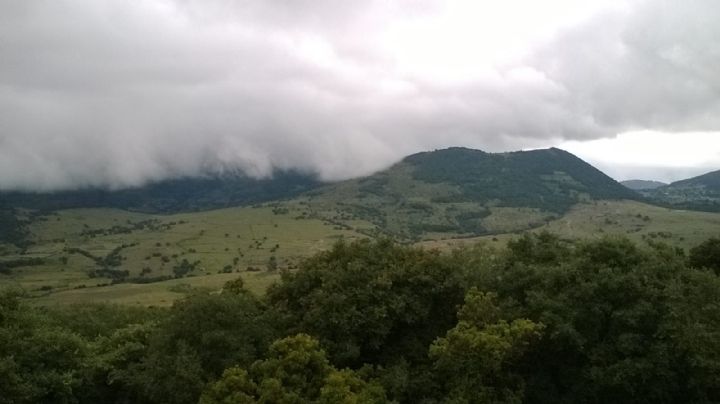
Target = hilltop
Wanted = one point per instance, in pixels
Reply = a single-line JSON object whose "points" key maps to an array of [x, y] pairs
{"points": [[463, 192]]}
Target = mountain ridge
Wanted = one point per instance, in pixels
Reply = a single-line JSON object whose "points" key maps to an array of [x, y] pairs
{"points": [[641, 185], [458, 190], [697, 193]]}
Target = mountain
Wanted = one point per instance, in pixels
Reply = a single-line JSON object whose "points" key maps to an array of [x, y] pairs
{"points": [[456, 191], [697, 193], [177, 195], [550, 179], [464, 192], [642, 185]]}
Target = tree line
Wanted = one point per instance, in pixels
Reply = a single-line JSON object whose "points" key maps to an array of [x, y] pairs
{"points": [[545, 320]]}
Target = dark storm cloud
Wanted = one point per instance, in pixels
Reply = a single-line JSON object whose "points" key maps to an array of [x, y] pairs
{"points": [[116, 93]]}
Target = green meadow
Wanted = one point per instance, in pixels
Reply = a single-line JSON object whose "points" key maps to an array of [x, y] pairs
{"points": [[637, 221], [170, 256], [209, 247]]}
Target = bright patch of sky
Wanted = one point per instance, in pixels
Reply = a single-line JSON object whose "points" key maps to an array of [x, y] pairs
{"points": [[651, 155]]}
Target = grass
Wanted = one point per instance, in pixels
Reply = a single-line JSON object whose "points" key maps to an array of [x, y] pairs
{"points": [[233, 242], [638, 221], [223, 242], [158, 293]]}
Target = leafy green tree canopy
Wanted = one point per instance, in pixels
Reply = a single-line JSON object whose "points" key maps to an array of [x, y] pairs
{"points": [[296, 371]]}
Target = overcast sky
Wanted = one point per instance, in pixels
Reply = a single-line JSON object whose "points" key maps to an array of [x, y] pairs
{"points": [[117, 93]]}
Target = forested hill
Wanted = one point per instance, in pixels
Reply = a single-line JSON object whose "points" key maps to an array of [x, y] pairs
{"points": [[549, 179], [697, 193], [178, 195], [465, 192], [711, 181]]}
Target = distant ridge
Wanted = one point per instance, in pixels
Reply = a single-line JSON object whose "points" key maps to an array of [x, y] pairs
{"points": [[697, 193], [710, 181], [641, 185]]}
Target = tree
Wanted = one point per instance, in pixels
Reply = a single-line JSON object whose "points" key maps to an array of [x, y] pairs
{"points": [[39, 362], [236, 286], [116, 362], [476, 360], [296, 371], [371, 301], [706, 255], [203, 335], [272, 263], [605, 306]]}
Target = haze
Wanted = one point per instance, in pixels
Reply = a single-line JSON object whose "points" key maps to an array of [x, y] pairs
{"points": [[114, 93]]}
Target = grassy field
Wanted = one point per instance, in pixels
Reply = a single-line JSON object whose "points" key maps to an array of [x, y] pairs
{"points": [[157, 293], [183, 252], [638, 221], [212, 247]]}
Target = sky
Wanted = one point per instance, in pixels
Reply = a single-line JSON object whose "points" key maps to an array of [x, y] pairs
{"points": [[117, 93]]}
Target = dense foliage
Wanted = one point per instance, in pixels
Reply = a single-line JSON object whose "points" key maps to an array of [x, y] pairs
{"points": [[373, 302], [545, 320]]}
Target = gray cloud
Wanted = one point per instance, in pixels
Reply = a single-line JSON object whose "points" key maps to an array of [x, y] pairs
{"points": [[651, 68], [116, 93]]}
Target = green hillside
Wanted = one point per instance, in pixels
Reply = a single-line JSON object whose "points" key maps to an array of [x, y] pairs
{"points": [[83, 255], [460, 192], [697, 193], [110, 255], [640, 222]]}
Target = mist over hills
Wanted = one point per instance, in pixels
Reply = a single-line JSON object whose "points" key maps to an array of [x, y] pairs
{"points": [[177, 195], [550, 180], [464, 192]]}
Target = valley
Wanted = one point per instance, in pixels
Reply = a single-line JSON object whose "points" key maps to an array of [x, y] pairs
{"points": [[221, 244], [161, 257]]}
